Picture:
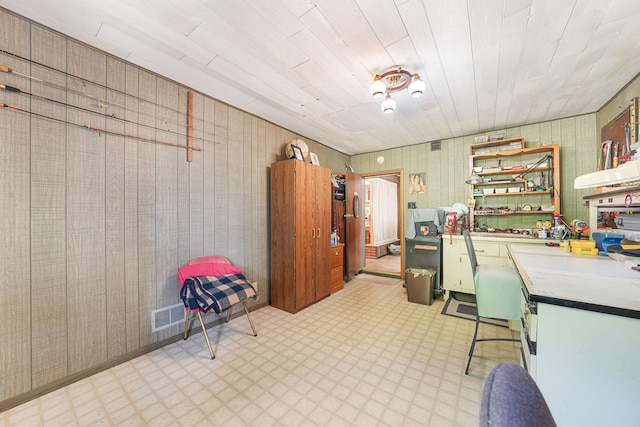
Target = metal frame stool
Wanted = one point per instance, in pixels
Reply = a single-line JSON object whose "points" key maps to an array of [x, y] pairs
{"points": [[204, 295], [498, 293]]}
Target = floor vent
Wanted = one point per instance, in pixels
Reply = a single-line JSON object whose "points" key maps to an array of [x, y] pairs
{"points": [[435, 145], [165, 317]]}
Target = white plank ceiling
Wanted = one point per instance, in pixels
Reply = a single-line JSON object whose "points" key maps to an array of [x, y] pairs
{"points": [[307, 65]]}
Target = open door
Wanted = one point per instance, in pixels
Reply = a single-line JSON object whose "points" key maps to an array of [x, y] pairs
{"points": [[374, 266], [354, 196]]}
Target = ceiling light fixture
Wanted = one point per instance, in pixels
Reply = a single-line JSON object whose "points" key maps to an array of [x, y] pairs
{"points": [[388, 105], [393, 81]]}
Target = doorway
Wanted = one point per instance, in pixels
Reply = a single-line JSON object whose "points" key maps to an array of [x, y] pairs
{"points": [[384, 249]]}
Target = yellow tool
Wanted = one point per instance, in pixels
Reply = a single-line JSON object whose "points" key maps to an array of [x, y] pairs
{"points": [[633, 246]]}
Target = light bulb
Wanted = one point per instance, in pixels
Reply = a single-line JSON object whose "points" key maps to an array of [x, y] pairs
{"points": [[388, 105], [417, 86], [377, 88]]}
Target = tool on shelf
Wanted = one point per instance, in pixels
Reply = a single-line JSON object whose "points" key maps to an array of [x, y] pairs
{"points": [[548, 158]]}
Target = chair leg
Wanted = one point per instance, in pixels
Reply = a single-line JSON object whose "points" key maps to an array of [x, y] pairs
{"points": [[524, 361], [188, 318], [206, 336], [246, 310], [473, 344], [476, 340]]}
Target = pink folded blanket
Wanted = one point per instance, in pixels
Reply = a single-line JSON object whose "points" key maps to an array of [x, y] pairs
{"points": [[206, 266]]}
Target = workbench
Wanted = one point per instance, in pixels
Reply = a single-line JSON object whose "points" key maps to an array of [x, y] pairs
{"points": [[581, 333]]}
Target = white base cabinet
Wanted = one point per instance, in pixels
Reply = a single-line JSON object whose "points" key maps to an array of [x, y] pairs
{"points": [[582, 326], [586, 365], [490, 249]]}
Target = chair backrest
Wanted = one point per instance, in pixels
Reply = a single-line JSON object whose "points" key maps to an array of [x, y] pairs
{"points": [[511, 398], [470, 250], [498, 288]]}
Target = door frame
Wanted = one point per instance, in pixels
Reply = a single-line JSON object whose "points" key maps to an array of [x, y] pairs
{"points": [[399, 172]]}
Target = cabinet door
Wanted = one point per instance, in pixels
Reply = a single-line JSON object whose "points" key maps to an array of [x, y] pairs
{"points": [[456, 268], [322, 221], [305, 232], [283, 241]]}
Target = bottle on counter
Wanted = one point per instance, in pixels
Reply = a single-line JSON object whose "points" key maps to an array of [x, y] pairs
{"points": [[557, 228]]}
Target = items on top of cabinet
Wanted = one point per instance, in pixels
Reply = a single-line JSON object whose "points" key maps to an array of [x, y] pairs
{"points": [[426, 222], [313, 159], [296, 149], [335, 239]]}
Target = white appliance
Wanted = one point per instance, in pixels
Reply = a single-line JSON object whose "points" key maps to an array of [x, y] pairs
{"points": [[627, 172]]}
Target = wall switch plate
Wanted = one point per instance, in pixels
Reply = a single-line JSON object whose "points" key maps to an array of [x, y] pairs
{"points": [[411, 205]]}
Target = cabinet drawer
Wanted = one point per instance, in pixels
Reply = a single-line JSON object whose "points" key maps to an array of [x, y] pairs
{"points": [[336, 276], [336, 256], [484, 249]]}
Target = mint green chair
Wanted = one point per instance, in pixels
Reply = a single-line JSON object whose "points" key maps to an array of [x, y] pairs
{"points": [[498, 293]]}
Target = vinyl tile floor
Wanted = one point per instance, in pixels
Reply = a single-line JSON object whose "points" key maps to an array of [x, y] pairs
{"points": [[384, 264], [361, 357]]}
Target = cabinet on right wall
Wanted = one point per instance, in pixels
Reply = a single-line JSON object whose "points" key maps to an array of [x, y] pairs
{"points": [[520, 185]]}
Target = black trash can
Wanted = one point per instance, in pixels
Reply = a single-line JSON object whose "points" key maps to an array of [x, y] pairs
{"points": [[420, 285]]}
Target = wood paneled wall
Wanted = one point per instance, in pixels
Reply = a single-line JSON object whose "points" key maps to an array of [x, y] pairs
{"points": [[448, 168], [94, 226]]}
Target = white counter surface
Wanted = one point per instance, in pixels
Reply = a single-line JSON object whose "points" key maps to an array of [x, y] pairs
{"points": [[504, 237], [597, 283]]}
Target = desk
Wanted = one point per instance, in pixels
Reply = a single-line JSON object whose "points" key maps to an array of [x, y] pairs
{"points": [[581, 318]]}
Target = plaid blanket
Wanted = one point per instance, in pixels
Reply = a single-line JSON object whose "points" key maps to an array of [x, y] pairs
{"points": [[203, 293]]}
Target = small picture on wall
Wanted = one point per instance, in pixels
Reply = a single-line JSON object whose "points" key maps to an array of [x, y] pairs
{"points": [[417, 183]]}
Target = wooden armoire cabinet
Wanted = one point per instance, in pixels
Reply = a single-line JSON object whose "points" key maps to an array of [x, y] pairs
{"points": [[300, 234]]}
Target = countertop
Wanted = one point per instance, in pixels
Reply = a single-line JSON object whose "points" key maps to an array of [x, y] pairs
{"points": [[595, 283], [476, 234]]}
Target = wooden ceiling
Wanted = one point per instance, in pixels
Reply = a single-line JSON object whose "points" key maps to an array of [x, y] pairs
{"points": [[307, 65]]}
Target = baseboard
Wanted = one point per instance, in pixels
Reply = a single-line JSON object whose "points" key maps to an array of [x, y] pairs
{"points": [[70, 379]]}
